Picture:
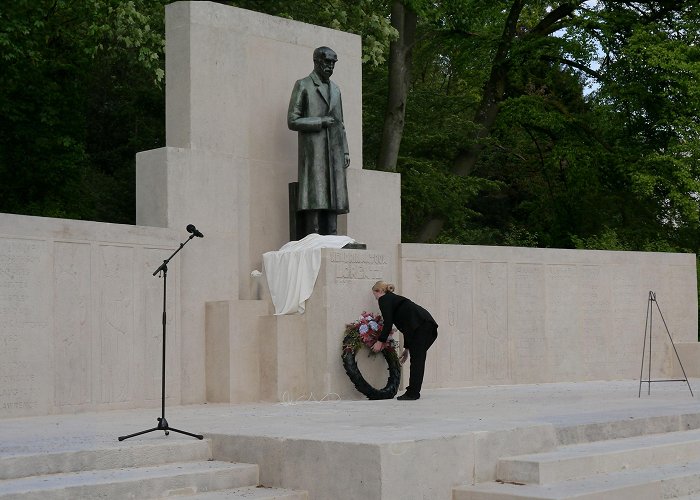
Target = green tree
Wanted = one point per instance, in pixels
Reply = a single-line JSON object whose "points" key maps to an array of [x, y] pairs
{"points": [[512, 76], [405, 20], [563, 123], [368, 18], [78, 77]]}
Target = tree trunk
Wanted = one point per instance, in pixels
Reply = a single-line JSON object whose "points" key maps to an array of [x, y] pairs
{"points": [[404, 19], [493, 94], [494, 90], [486, 113]]}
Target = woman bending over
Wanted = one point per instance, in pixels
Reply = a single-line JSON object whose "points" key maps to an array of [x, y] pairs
{"points": [[419, 331]]}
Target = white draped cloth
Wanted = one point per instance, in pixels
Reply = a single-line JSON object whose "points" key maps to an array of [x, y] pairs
{"points": [[291, 271]]}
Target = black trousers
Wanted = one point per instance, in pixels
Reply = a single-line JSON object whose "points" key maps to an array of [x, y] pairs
{"points": [[418, 345]]}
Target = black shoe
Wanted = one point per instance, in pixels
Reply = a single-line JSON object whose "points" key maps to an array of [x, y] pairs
{"points": [[408, 397]]}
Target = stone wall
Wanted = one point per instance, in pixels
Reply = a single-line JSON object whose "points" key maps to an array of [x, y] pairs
{"points": [[524, 315], [80, 316]]}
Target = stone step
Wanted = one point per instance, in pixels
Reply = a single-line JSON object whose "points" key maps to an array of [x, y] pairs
{"points": [[584, 460], [651, 483], [252, 492], [179, 478], [15, 466], [625, 428]]}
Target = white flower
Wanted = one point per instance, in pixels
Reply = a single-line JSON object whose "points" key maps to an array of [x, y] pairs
{"points": [[255, 274], [373, 325], [363, 328]]}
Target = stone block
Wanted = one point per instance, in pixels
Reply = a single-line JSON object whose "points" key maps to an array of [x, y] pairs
{"points": [[283, 358], [292, 461], [375, 212], [230, 73], [602, 457], [343, 290], [436, 465], [233, 350], [491, 446]]}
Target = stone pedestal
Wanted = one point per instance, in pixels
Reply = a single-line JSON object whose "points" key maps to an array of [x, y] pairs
{"points": [[343, 291], [233, 350], [252, 355], [283, 358]]}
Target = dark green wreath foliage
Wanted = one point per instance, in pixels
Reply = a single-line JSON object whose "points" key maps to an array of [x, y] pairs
{"points": [[351, 345]]}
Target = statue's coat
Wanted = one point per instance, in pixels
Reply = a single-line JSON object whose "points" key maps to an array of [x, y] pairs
{"points": [[322, 184]]}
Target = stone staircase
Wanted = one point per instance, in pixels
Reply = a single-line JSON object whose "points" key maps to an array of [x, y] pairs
{"points": [[645, 467], [140, 471]]}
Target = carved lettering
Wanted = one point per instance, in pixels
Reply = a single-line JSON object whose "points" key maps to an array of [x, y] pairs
{"points": [[359, 257], [359, 271], [116, 324], [23, 316], [358, 266], [72, 346]]}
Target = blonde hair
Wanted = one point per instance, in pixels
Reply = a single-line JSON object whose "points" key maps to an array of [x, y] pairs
{"points": [[383, 286]]}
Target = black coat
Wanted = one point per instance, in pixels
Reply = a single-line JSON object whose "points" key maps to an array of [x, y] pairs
{"points": [[402, 312]]}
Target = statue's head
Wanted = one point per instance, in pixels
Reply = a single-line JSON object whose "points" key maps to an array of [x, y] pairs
{"points": [[324, 62]]}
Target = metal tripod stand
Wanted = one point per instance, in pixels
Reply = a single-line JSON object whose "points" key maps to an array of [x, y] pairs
{"points": [[648, 327], [162, 422]]}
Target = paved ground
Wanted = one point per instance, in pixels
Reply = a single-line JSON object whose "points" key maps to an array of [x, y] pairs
{"points": [[442, 412]]}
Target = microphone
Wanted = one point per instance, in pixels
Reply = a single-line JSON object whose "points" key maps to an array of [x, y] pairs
{"points": [[193, 230]]}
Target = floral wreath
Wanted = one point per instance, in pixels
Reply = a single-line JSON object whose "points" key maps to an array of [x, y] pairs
{"points": [[365, 331]]}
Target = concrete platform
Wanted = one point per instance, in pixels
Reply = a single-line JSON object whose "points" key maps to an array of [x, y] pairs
{"points": [[434, 448]]}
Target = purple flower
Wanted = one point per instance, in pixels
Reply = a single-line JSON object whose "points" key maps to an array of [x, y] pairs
{"points": [[373, 325], [363, 328]]}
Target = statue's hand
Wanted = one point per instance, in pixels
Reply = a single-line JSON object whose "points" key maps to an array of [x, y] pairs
{"points": [[347, 160], [327, 121]]}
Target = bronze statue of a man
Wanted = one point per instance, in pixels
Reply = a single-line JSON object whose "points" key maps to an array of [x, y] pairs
{"points": [[316, 113]]}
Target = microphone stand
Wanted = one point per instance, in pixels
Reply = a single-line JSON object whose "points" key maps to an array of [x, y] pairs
{"points": [[162, 422]]}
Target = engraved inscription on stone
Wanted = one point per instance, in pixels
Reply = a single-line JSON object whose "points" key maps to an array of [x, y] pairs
{"points": [[419, 282], [25, 305], [491, 322], [683, 327], [594, 304], [420, 286], [562, 321], [116, 350], [72, 341], [456, 316], [153, 327], [527, 329], [362, 265], [628, 307]]}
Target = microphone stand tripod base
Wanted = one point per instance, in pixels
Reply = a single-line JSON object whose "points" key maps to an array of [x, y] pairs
{"points": [[162, 426]]}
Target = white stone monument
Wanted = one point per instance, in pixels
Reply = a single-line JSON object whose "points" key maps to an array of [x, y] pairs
{"points": [[81, 313], [226, 168]]}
